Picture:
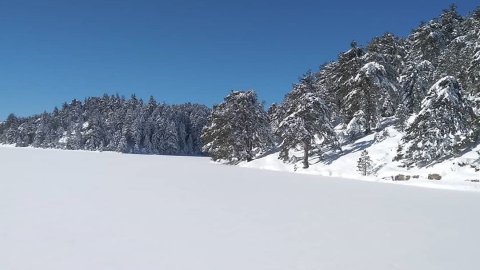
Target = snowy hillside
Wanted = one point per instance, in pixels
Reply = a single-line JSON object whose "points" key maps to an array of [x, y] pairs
{"points": [[456, 173], [89, 210]]}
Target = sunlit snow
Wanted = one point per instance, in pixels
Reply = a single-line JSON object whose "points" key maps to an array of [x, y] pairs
{"points": [[90, 210]]}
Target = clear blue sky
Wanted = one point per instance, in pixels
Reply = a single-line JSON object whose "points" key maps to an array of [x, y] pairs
{"points": [[181, 50]]}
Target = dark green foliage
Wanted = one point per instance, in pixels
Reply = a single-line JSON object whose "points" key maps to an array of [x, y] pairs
{"points": [[237, 129]]}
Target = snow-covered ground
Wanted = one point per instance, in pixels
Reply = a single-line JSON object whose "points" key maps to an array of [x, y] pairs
{"points": [[456, 173], [88, 210]]}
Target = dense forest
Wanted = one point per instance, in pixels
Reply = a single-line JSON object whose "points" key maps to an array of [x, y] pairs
{"points": [[112, 123]]}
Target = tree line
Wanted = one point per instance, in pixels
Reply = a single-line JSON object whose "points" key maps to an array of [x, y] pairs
{"points": [[428, 83], [112, 123]]}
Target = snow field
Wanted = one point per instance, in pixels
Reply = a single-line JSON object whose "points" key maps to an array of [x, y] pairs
{"points": [[88, 210]]}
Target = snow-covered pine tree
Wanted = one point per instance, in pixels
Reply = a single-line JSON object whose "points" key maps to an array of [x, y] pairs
{"points": [[471, 53], [389, 51], [41, 130], [429, 40], [458, 58], [10, 129], [2, 129], [443, 127], [197, 119], [415, 81], [26, 134], [365, 164], [336, 76], [428, 45], [326, 86], [237, 129], [372, 93], [274, 113], [402, 116], [306, 120], [473, 82]]}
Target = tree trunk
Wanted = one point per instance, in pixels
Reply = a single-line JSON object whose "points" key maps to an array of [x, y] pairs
{"points": [[249, 150], [306, 147], [368, 130], [367, 122], [368, 108]]}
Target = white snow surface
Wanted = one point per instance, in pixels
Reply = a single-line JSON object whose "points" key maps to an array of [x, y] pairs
{"points": [[456, 173], [88, 210], [372, 68], [444, 89]]}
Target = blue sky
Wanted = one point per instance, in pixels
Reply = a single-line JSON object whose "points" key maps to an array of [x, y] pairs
{"points": [[181, 51]]}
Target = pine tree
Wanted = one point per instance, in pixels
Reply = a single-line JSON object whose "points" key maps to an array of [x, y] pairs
{"points": [[365, 164], [472, 53], [237, 129], [274, 113], [415, 81], [336, 76], [41, 130], [390, 52], [372, 93], [443, 127], [10, 130], [459, 59], [306, 120], [402, 117], [429, 40]]}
